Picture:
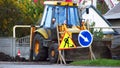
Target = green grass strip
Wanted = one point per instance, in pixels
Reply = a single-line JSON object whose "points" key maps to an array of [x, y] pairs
{"points": [[97, 62]]}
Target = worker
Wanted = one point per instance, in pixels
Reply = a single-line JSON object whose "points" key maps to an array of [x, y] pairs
{"points": [[53, 29], [53, 22], [83, 27]]}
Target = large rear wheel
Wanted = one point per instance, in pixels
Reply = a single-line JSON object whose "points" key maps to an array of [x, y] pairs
{"points": [[39, 51], [53, 53]]}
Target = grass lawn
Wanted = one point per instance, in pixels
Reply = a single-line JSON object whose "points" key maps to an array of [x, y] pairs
{"points": [[97, 62]]}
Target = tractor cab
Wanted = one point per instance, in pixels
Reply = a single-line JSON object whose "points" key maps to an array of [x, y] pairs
{"points": [[62, 13]]}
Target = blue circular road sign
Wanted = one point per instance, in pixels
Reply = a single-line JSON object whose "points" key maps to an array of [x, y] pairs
{"points": [[85, 38]]}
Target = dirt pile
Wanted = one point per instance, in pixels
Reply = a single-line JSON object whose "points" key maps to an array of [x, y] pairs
{"points": [[17, 58], [4, 57]]}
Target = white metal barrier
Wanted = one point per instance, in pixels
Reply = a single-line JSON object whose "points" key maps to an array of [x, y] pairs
{"points": [[106, 27], [23, 43]]}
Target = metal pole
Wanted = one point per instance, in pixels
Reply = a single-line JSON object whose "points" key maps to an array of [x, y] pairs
{"points": [[22, 26]]}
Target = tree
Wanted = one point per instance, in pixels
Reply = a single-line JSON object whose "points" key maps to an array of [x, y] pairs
{"points": [[21, 12], [32, 10], [102, 7], [9, 15]]}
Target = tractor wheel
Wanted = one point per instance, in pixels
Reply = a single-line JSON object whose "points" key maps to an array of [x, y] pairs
{"points": [[53, 53], [39, 51]]}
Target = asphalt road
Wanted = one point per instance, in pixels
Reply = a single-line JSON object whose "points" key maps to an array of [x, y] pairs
{"points": [[35, 65]]}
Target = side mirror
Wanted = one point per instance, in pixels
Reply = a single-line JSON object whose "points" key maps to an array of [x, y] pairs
{"points": [[87, 10]]}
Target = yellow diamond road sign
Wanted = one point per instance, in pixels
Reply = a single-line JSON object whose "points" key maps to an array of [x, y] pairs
{"points": [[66, 43]]}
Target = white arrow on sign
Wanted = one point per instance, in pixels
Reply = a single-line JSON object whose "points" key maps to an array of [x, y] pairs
{"points": [[85, 38]]}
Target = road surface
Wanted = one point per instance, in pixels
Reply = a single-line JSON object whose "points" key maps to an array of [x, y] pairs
{"points": [[35, 65]]}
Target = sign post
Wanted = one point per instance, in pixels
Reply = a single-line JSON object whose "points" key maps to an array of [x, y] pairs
{"points": [[85, 39]]}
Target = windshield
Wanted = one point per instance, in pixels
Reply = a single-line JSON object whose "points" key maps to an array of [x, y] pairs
{"points": [[62, 14]]}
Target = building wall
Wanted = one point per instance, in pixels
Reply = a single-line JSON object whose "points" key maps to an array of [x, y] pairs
{"points": [[7, 46]]}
